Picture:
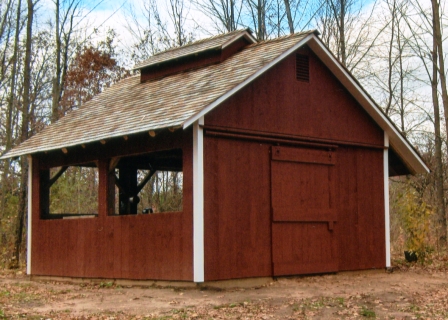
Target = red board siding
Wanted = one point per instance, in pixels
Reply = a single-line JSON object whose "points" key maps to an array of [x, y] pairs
{"points": [[237, 209], [304, 248], [304, 211], [321, 110], [157, 246], [276, 102], [360, 197], [238, 220]]}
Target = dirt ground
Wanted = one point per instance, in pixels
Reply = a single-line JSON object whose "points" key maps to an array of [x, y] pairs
{"points": [[409, 292]]}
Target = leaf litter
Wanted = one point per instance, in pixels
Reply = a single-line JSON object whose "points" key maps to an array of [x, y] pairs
{"points": [[412, 291]]}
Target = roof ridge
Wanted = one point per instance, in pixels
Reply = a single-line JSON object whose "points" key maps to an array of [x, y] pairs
{"points": [[288, 36], [216, 36]]}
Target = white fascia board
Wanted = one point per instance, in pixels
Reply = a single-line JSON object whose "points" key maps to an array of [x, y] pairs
{"points": [[246, 35], [30, 214], [397, 141], [237, 88]]}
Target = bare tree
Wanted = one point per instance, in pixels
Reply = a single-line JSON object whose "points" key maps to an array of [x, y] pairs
{"points": [[437, 53], [64, 28], [347, 28], [177, 16], [425, 42], [225, 14], [25, 127], [10, 102], [154, 34], [257, 14]]}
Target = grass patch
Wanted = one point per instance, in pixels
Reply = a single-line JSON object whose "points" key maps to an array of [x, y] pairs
{"points": [[108, 284], [5, 293], [367, 313]]}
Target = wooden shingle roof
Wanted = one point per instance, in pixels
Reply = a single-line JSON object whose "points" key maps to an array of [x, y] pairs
{"points": [[180, 99], [131, 106], [213, 43]]}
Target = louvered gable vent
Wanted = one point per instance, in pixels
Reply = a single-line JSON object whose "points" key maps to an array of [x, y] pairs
{"points": [[302, 68]]}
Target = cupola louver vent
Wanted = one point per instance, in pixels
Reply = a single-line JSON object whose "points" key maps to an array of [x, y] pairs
{"points": [[302, 68]]}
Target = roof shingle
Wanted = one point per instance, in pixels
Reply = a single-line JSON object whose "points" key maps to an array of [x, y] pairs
{"points": [[216, 42], [130, 106]]}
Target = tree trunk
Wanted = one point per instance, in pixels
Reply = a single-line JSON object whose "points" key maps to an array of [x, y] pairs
{"points": [[8, 144], [342, 33], [261, 22], [289, 16], [389, 60], [24, 132], [438, 174], [57, 76]]}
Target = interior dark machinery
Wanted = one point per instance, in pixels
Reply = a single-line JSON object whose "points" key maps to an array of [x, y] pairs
{"points": [[132, 174]]}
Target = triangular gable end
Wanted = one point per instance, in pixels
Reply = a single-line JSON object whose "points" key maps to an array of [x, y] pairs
{"points": [[397, 141]]}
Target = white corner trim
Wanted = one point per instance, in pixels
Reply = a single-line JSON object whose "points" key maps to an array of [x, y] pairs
{"points": [[198, 201], [386, 198], [241, 85], [30, 215]]}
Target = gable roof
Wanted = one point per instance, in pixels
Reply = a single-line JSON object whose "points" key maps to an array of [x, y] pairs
{"points": [[181, 99], [218, 42]]}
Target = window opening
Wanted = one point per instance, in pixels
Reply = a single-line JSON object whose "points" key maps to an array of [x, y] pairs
{"points": [[149, 183], [70, 191]]}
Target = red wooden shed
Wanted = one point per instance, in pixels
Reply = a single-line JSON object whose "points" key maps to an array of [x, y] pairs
{"points": [[285, 161]]}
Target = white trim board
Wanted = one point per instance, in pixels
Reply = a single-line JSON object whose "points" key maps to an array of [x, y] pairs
{"points": [[30, 215], [198, 201], [386, 199]]}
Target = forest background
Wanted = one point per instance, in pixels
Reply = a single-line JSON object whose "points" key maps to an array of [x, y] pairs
{"points": [[56, 54]]}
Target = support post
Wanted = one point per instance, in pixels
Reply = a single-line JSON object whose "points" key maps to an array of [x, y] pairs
{"points": [[30, 215], [198, 201], [103, 188], [386, 198]]}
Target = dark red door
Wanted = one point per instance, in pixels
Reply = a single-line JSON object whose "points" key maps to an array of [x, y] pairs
{"points": [[303, 211]]}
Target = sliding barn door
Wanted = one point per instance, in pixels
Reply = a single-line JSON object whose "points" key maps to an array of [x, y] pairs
{"points": [[303, 211]]}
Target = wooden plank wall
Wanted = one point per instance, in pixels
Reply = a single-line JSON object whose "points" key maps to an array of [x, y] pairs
{"points": [[360, 197], [237, 171], [237, 209], [238, 218], [278, 103], [153, 246]]}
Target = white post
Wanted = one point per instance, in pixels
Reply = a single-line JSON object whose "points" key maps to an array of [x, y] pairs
{"points": [[30, 214], [198, 201], [386, 198]]}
